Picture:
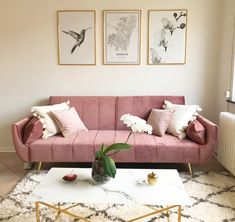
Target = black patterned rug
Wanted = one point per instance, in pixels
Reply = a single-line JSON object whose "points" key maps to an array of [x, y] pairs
{"points": [[212, 196]]}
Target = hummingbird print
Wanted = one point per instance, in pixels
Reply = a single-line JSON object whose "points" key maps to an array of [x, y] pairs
{"points": [[79, 37]]}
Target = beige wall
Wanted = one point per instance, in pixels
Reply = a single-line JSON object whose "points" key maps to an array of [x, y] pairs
{"points": [[30, 73], [225, 61]]}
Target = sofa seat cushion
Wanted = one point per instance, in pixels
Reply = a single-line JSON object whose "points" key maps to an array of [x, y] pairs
{"points": [[145, 148], [77, 148], [171, 149], [53, 149], [86, 144], [150, 148]]}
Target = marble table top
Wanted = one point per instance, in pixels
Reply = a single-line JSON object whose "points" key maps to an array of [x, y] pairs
{"points": [[129, 186]]}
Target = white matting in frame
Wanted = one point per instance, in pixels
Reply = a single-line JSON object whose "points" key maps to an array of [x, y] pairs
{"points": [[76, 37], [121, 31], [167, 36]]}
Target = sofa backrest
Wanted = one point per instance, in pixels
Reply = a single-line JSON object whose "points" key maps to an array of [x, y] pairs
{"points": [[104, 112]]}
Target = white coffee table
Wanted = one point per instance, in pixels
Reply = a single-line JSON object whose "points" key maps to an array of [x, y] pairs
{"points": [[128, 187]]}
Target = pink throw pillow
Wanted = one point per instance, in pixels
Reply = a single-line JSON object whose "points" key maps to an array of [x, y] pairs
{"points": [[196, 132], [68, 121], [32, 130], [159, 119]]}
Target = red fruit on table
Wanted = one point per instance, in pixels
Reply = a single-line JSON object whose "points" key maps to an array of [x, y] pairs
{"points": [[70, 177]]}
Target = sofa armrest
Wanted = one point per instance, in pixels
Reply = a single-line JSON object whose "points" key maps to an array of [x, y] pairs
{"points": [[209, 148], [21, 149]]}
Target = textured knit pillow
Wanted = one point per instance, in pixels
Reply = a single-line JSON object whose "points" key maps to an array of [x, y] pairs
{"points": [[159, 119], [196, 132], [32, 130], [49, 125], [180, 118], [68, 121]]}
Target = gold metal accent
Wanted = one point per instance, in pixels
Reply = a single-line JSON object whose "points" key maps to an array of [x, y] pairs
{"points": [[58, 37], [167, 212], [149, 11], [153, 208], [65, 211], [71, 206], [179, 213], [190, 169], [59, 209], [140, 35], [168, 215], [58, 213], [159, 211], [39, 167], [152, 178], [37, 212]]}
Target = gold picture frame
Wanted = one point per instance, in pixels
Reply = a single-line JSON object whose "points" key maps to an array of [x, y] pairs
{"points": [[121, 47], [167, 37], [76, 34]]}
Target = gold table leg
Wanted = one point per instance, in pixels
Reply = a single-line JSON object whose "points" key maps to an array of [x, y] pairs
{"points": [[37, 212], [179, 213], [190, 169], [168, 215], [58, 213], [159, 211], [59, 210], [39, 167], [65, 211]]}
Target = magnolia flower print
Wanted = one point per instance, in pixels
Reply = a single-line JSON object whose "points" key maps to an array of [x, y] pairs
{"points": [[166, 36]]}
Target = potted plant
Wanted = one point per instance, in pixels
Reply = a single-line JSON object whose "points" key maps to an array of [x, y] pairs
{"points": [[104, 168]]}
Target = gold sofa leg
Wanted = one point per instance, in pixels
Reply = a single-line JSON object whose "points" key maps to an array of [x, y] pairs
{"points": [[39, 167], [190, 169]]}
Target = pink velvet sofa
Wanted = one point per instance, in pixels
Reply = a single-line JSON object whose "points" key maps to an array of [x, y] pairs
{"points": [[101, 115]]}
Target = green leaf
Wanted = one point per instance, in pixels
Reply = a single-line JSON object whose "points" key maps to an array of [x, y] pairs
{"points": [[109, 166], [117, 147], [102, 148], [98, 154]]}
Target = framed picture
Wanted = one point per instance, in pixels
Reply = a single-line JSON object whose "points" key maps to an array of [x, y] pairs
{"points": [[121, 37], [76, 37], [167, 36]]}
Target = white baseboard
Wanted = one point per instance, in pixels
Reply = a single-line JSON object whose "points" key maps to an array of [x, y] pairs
{"points": [[7, 149]]}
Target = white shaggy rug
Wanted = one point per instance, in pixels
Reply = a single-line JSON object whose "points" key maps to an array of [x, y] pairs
{"points": [[212, 196]]}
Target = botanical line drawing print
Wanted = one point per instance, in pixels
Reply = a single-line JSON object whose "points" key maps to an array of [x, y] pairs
{"points": [[124, 28], [121, 37], [167, 43], [79, 37]]}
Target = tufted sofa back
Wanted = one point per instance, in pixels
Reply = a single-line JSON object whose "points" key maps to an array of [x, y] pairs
{"points": [[104, 112]]}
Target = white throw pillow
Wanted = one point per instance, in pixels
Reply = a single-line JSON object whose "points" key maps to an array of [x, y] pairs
{"points": [[180, 118], [49, 125]]}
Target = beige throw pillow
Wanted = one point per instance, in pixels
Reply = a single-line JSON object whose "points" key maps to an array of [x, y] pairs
{"points": [[159, 119], [180, 118]]}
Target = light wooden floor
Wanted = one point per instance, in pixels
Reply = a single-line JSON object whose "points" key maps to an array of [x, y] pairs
{"points": [[11, 170]]}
